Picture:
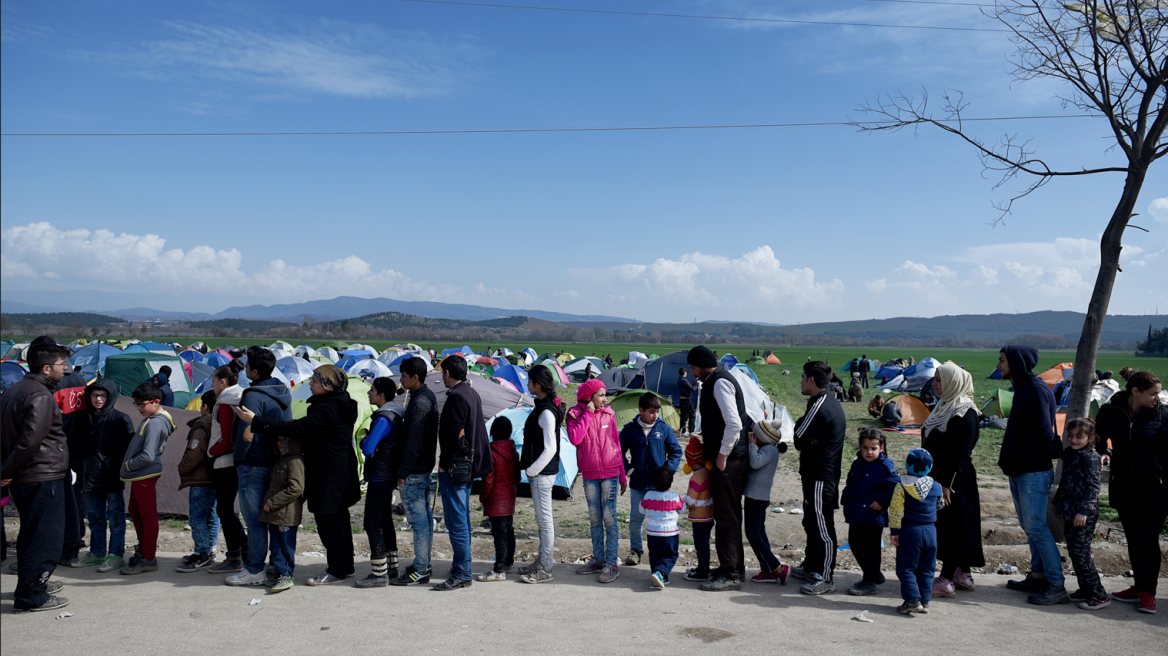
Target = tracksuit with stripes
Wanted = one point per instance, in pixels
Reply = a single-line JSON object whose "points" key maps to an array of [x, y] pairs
{"points": [[819, 438]]}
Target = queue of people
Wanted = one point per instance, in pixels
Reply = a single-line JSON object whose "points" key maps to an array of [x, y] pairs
{"points": [[246, 447]]}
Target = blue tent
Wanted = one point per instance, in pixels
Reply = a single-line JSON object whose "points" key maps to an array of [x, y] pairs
{"points": [[660, 375], [189, 355], [91, 359], [728, 361], [996, 374], [513, 375], [403, 357], [358, 353], [150, 347], [213, 359], [749, 372], [451, 351], [566, 477], [888, 371], [200, 371], [10, 373], [346, 363]]}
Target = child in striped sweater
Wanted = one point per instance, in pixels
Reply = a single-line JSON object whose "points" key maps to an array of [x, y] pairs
{"points": [[701, 508], [660, 507]]}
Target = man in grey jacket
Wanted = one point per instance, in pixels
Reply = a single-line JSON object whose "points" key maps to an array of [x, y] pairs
{"points": [[35, 468]]}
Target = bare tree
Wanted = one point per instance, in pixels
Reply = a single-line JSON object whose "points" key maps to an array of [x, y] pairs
{"points": [[1111, 56]]}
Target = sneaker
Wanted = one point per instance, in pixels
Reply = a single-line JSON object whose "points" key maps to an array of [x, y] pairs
{"points": [[190, 557], [270, 578], [1095, 604], [53, 587], [228, 566], [720, 584], [324, 579], [9, 567], [411, 577], [491, 576], [801, 574], [1031, 584], [529, 568], [1079, 595], [881, 580], [199, 562], [658, 580], [634, 558], [963, 581], [910, 607], [282, 584], [68, 561], [53, 603], [537, 576], [1053, 594], [692, 574], [89, 560], [111, 563], [609, 574], [767, 577], [1129, 596], [141, 566], [822, 586], [1147, 604], [452, 584], [593, 566], [943, 587], [372, 581], [246, 578], [924, 607], [863, 589]]}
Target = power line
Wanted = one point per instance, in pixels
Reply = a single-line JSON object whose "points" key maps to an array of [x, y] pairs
{"points": [[511, 131], [703, 17]]}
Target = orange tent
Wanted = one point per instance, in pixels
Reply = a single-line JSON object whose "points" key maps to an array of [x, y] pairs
{"points": [[1060, 424], [772, 359], [912, 409], [1057, 373]]}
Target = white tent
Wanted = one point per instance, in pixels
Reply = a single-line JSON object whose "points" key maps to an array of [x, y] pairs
{"points": [[302, 349], [369, 369], [363, 347], [282, 345], [918, 375], [328, 352], [297, 369]]}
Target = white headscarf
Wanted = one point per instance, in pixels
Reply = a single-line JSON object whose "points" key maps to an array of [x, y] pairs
{"points": [[956, 398]]}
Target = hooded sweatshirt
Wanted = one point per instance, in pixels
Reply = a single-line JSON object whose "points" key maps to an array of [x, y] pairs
{"points": [[164, 387], [105, 435], [1030, 442], [915, 501], [144, 455], [270, 399]]}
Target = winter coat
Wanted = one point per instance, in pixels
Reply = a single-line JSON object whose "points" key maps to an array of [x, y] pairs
{"points": [[598, 447], [915, 500], [164, 386], [644, 453], [819, 437], [105, 436], [143, 457], [764, 460], [1078, 491], [868, 482], [35, 449], [285, 495], [1029, 443], [1139, 454], [270, 399], [222, 440], [498, 490], [194, 470], [462, 424], [326, 440], [414, 449]]}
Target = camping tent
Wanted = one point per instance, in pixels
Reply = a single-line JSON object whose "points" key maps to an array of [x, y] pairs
{"points": [[636, 355], [282, 345], [565, 358], [128, 370], [888, 371], [580, 364], [189, 355], [495, 398], [755, 360], [913, 411], [996, 374], [199, 373], [353, 348], [349, 361], [389, 355], [529, 355], [1057, 373], [773, 359], [369, 369], [296, 369], [10, 373], [513, 375], [327, 352], [660, 375], [619, 378], [5, 345], [626, 406], [919, 374], [300, 350], [150, 347], [214, 359], [749, 371], [566, 477], [558, 373], [728, 361], [759, 405], [276, 373], [91, 359], [998, 404], [897, 384]]}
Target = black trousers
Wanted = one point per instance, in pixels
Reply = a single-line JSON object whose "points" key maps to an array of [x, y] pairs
{"points": [[72, 541], [687, 416], [1142, 528], [42, 533], [379, 519], [82, 509], [336, 534], [864, 379], [503, 531], [726, 493], [1079, 539], [864, 542], [819, 502], [226, 483]]}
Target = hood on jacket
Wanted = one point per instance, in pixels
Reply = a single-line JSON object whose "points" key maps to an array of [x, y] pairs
{"points": [[917, 486], [163, 379], [294, 448], [107, 385], [1022, 360], [162, 414], [275, 390], [206, 419]]}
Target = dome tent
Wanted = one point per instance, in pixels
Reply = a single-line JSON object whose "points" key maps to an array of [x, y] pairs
{"points": [[566, 477]]}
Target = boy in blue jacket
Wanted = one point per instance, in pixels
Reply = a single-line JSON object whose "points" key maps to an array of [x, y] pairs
{"points": [[647, 443], [912, 515], [866, 498]]}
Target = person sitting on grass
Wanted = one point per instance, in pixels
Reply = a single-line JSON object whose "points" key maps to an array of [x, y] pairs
{"points": [[876, 406]]}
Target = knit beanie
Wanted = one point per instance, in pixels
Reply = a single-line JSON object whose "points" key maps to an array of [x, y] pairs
{"points": [[695, 454], [919, 462], [586, 390], [700, 356], [768, 432]]}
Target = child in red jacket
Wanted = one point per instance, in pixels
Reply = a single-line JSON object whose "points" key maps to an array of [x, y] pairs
{"points": [[498, 498]]}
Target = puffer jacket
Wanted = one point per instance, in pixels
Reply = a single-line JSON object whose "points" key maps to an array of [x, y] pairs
{"points": [[34, 446], [498, 491], [868, 482], [193, 470], [1139, 454], [598, 448], [106, 436], [222, 442], [285, 495]]}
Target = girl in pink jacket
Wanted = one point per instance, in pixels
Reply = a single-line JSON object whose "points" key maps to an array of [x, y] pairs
{"points": [[592, 429]]}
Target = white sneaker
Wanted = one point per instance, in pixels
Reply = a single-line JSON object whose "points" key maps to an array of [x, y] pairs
{"points": [[244, 577]]}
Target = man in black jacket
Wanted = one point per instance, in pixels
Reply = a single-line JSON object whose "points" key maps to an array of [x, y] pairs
{"points": [[865, 367], [415, 461], [464, 453], [685, 392], [35, 469], [819, 438], [1028, 447]]}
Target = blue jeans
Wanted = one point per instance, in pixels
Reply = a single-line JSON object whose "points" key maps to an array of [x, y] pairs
{"points": [[636, 519], [100, 507], [455, 506], [253, 483], [283, 539], [601, 497], [204, 520], [1030, 492], [416, 496]]}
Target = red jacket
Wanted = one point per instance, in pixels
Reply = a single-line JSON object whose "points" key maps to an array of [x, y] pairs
{"points": [[598, 449], [498, 489]]}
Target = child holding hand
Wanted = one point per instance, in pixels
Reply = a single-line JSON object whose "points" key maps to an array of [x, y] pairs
{"points": [[1077, 504]]}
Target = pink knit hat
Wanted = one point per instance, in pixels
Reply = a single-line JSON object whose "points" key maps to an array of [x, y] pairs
{"points": [[585, 391]]}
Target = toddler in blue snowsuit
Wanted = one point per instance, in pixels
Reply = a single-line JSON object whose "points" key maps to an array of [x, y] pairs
{"points": [[911, 518]]}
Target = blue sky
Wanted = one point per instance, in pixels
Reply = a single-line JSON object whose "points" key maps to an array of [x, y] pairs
{"points": [[776, 224]]}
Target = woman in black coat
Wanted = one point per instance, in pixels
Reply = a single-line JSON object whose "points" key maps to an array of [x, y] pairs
{"points": [[1133, 439], [949, 435], [330, 464]]}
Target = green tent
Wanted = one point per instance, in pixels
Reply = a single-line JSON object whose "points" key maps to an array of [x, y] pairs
{"points": [[129, 370], [755, 360], [358, 391], [625, 405], [999, 404], [484, 369]]}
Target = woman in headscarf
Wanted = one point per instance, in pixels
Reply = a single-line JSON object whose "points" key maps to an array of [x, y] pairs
{"points": [[950, 434]]}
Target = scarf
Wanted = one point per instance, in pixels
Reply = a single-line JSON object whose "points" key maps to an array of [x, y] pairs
{"points": [[956, 398], [646, 428]]}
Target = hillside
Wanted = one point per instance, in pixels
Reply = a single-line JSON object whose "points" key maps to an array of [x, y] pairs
{"points": [[63, 319]]}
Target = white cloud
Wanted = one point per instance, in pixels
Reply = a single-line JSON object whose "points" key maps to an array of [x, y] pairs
{"points": [[1159, 209]]}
